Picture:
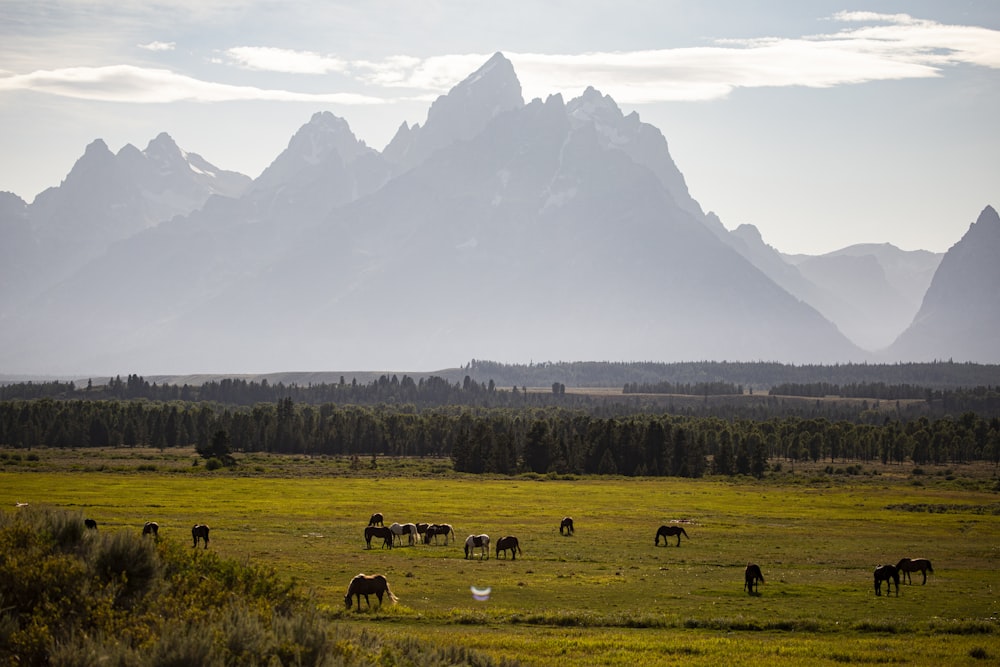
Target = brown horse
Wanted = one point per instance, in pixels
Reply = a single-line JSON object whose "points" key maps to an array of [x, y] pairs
{"points": [[376, 519], [508, 543], [199, 532], [567, 525], [669, 531], [908, 565], [378, 531], [888, 574], [368, 584], [151, 528], [90, 523], [751, 576]]}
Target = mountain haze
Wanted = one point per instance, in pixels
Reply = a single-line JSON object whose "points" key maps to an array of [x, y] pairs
{"points": [[496, 229], [960, 314]]}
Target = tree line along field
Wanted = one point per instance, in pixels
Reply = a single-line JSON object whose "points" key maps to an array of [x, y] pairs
{"points": [[605, 595]]}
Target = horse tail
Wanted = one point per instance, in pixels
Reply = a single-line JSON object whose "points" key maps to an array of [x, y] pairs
{"points": [[392, 596], [929, 568], [518, 545]]}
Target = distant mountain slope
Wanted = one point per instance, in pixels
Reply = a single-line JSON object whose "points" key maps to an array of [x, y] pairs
{"points": [[509, 231], [104, 199], [960, 315]]}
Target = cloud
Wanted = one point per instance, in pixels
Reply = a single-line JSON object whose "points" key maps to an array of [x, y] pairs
{"points": [[271, 59], [870, 47], [897, 46], [126, 83], [158, 46]]}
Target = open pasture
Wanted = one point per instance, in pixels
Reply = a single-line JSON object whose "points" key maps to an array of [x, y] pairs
{"points": [[606, 594]]}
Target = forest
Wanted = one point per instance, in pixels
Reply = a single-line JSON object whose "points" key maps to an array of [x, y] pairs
{"points": [[500, 440]]}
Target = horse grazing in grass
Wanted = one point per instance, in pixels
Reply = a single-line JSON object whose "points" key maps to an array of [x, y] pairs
{"points": [[669, 531], [436, 529], [908, 565], [751, 576], [368, 584], [422, 531], [567, 525], [199, 532], [888, 574], [151, 528], [378, 531], [90, 523], [376, 519], [508, 543], [481, 542]]}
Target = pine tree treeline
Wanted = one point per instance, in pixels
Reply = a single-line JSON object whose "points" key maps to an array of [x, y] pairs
{"points": [[501, 440], [435, 391]]}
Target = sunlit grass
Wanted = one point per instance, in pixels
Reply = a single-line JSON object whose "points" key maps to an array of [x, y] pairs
{"points": [[605, 595]]}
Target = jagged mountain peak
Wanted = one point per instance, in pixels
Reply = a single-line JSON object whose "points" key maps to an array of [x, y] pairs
{"points": [[461, 114]]}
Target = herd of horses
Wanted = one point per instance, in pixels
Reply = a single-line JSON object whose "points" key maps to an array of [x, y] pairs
{"points": [[377, 585], [752, 574]]}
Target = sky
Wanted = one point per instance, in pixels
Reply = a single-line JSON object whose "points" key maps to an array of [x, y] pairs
{"points": [[824, 124]]}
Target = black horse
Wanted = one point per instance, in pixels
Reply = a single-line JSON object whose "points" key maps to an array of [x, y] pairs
{"points": [[376, 519], [888, 574], [151, 528], [508, 543], [908, 565], [567, 525], [378, 531], [199, 532], [365, 584], [751, 576], [669, 531], [90, 523]]}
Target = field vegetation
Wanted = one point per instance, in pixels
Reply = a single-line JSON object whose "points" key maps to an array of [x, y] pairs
{"points": [[605, 595]]}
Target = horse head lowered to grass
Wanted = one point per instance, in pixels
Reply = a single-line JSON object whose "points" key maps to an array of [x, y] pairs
{"points": [[888, 574], [908, 565], [368, 584]]}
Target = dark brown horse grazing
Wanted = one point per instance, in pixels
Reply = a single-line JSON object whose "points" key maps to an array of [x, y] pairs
{"points": [[567, 524], [199, 532], [368, 584], [669, 531], [508, 543], [90, 523], [378, 531], [151, 528], [908, 565], [376, 519], [751, 576], [888, 574]]}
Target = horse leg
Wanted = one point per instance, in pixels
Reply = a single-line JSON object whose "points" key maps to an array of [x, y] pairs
{"points": [[924, 582]]}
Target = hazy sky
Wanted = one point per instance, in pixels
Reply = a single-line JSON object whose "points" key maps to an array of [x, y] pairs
{"points": [[822, 123]]}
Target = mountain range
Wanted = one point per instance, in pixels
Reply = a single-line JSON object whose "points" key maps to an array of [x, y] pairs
{"points": [[497, 229]]}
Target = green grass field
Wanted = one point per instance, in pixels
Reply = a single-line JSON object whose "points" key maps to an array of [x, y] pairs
{"points": [[605, 595]]}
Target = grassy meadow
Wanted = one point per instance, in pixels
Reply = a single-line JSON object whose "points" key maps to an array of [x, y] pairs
{"points": [[606, 595]]}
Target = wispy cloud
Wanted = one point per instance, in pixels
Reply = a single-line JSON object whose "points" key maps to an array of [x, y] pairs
{"points": [[894, 46], [125, 83], [158, 46], [870, 47], [284, 60]]}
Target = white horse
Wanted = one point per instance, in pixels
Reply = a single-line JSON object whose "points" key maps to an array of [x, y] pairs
{"points": [[400, 529], [481, 542]]}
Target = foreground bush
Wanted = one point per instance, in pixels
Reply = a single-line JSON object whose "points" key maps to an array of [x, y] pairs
{"points": [[72, 597]]}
